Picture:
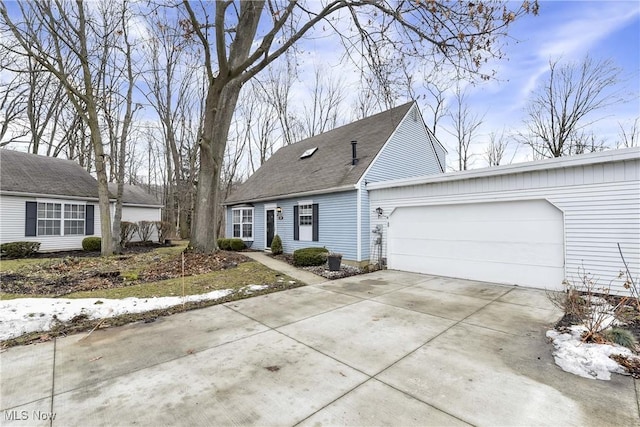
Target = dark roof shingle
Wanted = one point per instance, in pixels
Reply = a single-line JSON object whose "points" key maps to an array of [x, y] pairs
{"points": [[30, 173], [134, 195], [329, 167]]}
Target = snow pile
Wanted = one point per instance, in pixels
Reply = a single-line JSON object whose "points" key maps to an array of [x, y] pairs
{"points": [[24, 315], [587, 360]]}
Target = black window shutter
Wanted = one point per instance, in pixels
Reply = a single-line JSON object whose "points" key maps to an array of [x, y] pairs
{"points": [[296, 224], [315, 222], [88, 220], [31, 222]]}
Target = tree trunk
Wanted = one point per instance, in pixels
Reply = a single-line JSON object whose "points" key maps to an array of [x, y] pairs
{"points": [[222, 97]]}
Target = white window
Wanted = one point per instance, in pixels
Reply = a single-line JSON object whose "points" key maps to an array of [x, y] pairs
{"points": [[73, 220], [306, 214], [49, 219], [243, 223]]}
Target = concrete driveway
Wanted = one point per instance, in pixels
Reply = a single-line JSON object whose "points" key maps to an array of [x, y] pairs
{"points": [[387, 348]]}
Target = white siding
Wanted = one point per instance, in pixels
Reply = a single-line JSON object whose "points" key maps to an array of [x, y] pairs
{"points": [[12, 225], [139, 213], [600, 203]]}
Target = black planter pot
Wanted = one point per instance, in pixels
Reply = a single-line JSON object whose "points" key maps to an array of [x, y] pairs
{"points": [[334, 262]]}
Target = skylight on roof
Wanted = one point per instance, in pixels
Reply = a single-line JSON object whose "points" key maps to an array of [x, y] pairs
{"points": [[309, 152]]}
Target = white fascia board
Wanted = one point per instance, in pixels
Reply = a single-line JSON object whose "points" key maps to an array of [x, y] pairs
{"points": [[47, 196], [293, 195], [538, 165]]}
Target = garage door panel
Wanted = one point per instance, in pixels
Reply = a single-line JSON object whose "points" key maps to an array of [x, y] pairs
{"points": [[546, 276], [517, 253], [517, 242], [508, 231]]}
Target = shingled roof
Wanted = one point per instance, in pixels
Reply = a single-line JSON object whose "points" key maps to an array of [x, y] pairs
{"points": [[28, 173], [328, 167], [32, 174], [134, 195]]}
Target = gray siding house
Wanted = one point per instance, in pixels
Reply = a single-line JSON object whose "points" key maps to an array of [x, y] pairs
{"points": [[314, 192], [55, 202]]}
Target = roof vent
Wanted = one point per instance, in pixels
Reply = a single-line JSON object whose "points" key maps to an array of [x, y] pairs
{"points": [[309, 152], [354, 157]]}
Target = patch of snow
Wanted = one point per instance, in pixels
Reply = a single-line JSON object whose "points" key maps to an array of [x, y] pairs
{"points": [[588, 360], [24, 315], [253, 288]]}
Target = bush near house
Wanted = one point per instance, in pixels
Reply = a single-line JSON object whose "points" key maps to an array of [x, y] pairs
{"points": [[19, 249], [127, 231], [236, 244], [165, 230], [276, 245], [145, 229], [224, 244], [92, 244], [307, 257], [231, 244]]}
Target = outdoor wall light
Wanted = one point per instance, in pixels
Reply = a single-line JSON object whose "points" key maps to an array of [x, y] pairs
{"points": [[279, 212], [379, 211]]}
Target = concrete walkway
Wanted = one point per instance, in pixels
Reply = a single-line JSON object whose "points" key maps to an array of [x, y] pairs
{"points": [[387, 348], [283, 267]]}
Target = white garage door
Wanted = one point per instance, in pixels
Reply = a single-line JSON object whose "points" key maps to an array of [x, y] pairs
{"points": [[517, 242]]}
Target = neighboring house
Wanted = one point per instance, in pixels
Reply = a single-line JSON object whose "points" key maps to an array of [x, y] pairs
{"points": [[137, 205], [55, 202], [314, 192]]}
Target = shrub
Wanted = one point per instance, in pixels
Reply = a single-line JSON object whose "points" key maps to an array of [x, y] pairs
{"points": [[127, 231], [276, 245], [236, 244], [92, 243], [224, 244], [19, 249], [145, 228], [310, 256], [621, 337], [165, 229]]}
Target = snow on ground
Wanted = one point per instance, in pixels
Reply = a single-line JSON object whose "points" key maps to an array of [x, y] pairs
{"points": [[24, 315], [587, 360]]}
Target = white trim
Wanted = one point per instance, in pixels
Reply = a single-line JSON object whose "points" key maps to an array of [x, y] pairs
{"points": [[546, 164], [253, 223], [359, 225], [268, 207], [305, 202], [50, 196], [293, 195], [75, 202]]}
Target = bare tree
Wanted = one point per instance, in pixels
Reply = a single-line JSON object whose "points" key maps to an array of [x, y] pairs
{"points": [[465, 125], [566, 103], [496, 149], [12, 108], [628, 138], [322, 110], [64, 39], [233, 53]]}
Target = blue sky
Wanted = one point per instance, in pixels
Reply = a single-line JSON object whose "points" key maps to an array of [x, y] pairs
{"points": [[565, 30], [568, 30]]}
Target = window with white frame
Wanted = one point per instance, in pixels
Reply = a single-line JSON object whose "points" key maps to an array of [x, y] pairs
{"points": [[74, 219], [306, 214], [243, 223], [49, 219]]}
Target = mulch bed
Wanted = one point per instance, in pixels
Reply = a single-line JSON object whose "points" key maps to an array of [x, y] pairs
{"points": [[78, 273], [322, 270]]}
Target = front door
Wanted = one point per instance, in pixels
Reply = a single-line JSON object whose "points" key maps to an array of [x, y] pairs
{"points": [[270, 226]]}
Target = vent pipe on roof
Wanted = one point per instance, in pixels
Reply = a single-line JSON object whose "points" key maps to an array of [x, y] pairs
{"points": [[354, 157]]}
